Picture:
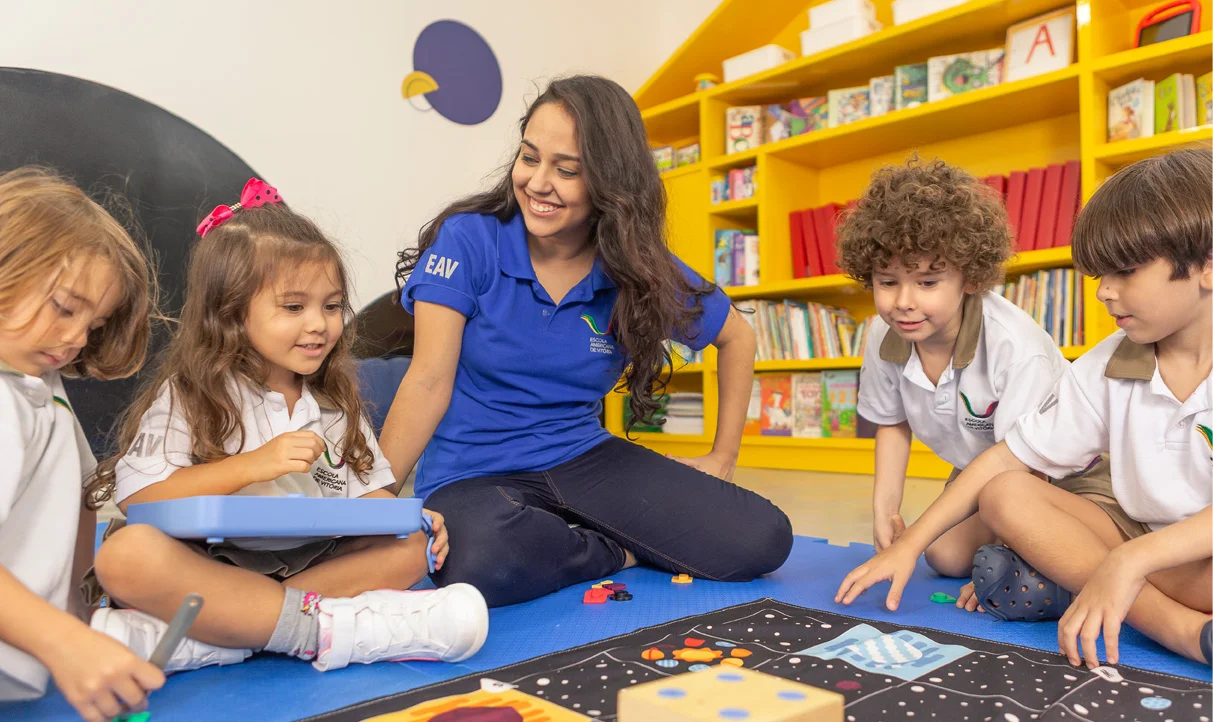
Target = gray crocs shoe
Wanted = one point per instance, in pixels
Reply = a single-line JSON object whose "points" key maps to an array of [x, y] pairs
{"points": [[1206, 641], [1010, 590]]}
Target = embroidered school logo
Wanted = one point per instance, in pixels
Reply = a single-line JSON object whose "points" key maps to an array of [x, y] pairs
{"points": [[64, 404], [326, 478], [600, 341], [1206, 433], [589, 321], [146, 444], [329, 459], [975, 421], [1048, 404]]}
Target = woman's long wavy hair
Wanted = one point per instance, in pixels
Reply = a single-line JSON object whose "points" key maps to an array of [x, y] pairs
{"points": [[627, 229], [210, 349]]}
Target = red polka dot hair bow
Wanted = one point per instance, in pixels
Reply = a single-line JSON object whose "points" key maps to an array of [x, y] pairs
{"points": [[256, 193]]}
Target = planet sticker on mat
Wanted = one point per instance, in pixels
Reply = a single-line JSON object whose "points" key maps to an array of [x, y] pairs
{"points": [[455, 73]]}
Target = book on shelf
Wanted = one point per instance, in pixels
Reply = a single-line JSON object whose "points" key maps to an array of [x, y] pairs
{"points": [[848, 105], [1175, 103], [839, 393], [826, 225], [880, 95], [738, 185], [678, 413], [681, 354], [651, 425], [1054, 299], [949, 75], [1041, 204], [1204, 99], [776, 405], [736, 257], [1131, 111], [909, 85], [753, 414], [806, 405], [797, 331]]}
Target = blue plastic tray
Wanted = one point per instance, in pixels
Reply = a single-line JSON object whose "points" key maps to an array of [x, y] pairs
{"points": [[225, 518]]}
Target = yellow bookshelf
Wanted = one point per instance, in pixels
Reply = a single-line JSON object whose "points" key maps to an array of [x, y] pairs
{"points": [[1050, 118]]}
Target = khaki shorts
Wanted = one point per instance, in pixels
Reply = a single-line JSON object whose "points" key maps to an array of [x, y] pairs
{"points": [[1096, 487], [278, 565]]}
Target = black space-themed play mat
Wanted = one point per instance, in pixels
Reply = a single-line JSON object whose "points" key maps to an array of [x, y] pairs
{"points": [[885, 672]]}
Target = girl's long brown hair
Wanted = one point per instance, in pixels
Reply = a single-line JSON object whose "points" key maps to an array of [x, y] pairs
{"points": [[210, 349], [627, 228]]}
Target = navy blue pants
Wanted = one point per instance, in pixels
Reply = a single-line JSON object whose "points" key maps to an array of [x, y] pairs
{"points": [[510, 535]]}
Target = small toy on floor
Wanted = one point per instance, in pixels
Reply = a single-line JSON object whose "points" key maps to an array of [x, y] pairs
{"points": [[943, 598], [728, 693], [682, 579], [595, 595], [622, 595]]}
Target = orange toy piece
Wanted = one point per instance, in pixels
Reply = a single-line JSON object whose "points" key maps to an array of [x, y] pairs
{"points": [[697, 655], [652, 653], [595, 596], [682, 579]]}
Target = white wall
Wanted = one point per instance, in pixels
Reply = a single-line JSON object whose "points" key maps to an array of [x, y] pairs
{"points": [[308, 91]]}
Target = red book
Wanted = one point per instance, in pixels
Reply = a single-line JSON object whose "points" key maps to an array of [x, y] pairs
{"points": [[998, 183], [1067, 210], [800, 267], [1015, 188], [812, 255], [1033, 189], [825, 218], [1050, 197]]}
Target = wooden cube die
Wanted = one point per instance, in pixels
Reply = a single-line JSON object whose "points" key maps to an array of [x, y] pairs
{"points": [[728, 693]]}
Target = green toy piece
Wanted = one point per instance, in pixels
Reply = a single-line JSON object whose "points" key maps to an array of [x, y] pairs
{"points": [[137, 717], [942, 598]]}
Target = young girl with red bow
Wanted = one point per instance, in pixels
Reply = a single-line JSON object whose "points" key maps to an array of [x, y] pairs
{"points": [[256, 395]]}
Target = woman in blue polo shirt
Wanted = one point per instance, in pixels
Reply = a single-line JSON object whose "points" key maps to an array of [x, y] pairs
{"points": [[530, 300]]}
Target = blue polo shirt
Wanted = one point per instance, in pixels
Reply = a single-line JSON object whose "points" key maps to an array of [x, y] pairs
{"points": [[532, 374]]}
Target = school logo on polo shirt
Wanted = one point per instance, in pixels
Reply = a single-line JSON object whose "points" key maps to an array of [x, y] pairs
{"points": [[1207, 434], [975, 421], [599, 340], [326, 478]]}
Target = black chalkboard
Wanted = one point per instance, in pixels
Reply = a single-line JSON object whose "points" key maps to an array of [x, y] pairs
{"points": [[111, 142]]}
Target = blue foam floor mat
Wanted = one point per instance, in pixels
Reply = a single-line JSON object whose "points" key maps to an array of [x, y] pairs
{"points": [[271, 688]]}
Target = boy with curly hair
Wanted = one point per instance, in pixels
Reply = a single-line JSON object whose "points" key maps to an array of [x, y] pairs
{"points": [[1143, 552], [947, 360]]}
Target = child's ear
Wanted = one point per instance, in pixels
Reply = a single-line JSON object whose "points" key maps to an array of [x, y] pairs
{"points": [[970, 289], [1206, 276]]}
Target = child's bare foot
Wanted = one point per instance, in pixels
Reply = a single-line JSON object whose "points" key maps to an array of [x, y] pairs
{"points": [[629, 559]]}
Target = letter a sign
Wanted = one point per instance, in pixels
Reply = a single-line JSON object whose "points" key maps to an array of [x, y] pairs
{"points": [[1040, 45]]}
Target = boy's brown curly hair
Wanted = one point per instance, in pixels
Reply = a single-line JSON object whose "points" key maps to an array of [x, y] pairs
{"points": [[928, 211]]}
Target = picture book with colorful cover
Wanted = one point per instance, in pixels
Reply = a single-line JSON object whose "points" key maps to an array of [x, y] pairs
{"points": [[753, 414], [652, 425], [910, 85], [839, 392], [806, 405], [776, 405], [949, 75], [724, 257], [808, 114], [1168, 104], [880, 95], [1131, 111], [848, 105]]}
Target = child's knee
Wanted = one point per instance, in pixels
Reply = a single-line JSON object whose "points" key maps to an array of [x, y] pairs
{"points": [[128, 555], [950, 560], [997, 502]]}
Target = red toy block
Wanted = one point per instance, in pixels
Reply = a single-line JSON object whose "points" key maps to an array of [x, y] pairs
{"points": [[595, 596]]}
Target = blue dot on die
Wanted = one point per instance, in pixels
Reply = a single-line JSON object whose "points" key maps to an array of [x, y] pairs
{"points": [[1156, 703], [734, 713], [672, 693], [729, 677], [791, 695]]}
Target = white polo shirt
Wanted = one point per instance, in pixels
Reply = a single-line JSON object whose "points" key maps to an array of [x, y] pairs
{"points": [[41, 486], [1114, 398], [164, 443], [1003, 366]]}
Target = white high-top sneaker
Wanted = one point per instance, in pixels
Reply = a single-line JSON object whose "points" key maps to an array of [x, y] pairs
{"points": [[141, 632], [448, 625]]}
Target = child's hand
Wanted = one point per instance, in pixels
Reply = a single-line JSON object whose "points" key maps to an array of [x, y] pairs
{"points": [[887, 529], [441, 544], [717, 465], [968, 599], [294, 451], [1102, 604], [100, 677], [894, 564]]}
